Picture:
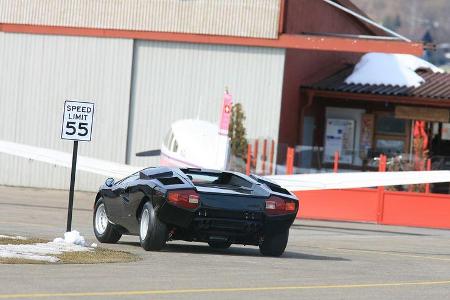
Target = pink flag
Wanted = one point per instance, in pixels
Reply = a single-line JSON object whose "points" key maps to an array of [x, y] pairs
{"points": [[226, 114]]}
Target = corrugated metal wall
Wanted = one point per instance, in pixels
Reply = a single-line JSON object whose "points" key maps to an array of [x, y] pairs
{"points": [[255, 18], [171, 81], [174, 81], [37, 73]]}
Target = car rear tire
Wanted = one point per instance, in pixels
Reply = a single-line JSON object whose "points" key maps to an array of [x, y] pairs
{"points": [[152, 232], [104, 231], [219, 245], [274, 245]]}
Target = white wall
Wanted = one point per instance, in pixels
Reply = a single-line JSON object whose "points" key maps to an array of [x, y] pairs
{"points": [[37, 73], [174, 81], [257, 18]]}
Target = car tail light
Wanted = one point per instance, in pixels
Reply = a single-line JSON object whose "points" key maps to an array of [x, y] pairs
{"points": [[184, 198], [279, 206]]}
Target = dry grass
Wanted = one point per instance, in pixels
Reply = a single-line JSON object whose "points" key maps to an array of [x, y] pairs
{"points": [[95, 256], [20, 261], [12, 241]]}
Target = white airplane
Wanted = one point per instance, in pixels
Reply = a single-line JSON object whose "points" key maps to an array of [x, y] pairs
{"points": [[195, 144], [299, 182]]}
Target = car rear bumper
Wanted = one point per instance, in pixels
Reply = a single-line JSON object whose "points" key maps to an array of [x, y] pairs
{"points": [[235, 226]]}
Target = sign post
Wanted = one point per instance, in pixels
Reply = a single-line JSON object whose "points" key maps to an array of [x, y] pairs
{"points": [[77, 126], [72, 185]]}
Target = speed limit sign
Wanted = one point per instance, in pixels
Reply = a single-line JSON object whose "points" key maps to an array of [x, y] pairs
{"points": [[77, 126], [77, 121]]}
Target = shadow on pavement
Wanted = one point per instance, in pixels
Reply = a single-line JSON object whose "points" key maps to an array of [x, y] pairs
{"points": [[235, 251]]}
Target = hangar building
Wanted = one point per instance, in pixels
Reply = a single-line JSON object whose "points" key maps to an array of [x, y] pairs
{"points": [[148, 63]]}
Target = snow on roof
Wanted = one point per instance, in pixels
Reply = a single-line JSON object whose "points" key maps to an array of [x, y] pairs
{"points": [[390, 69]]}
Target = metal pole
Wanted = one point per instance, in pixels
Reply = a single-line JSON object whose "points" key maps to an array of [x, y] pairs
{"points": [[367, 20], [255, 155], [380, 209], [131, 106], [72, 185], [336, 162], [272, 151], [427, 186], [290, 161]]}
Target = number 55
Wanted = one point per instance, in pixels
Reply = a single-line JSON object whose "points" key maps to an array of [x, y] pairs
{"points": [[82, 127]]}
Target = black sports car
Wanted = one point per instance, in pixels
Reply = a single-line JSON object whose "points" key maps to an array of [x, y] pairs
{"points": [[219, 208]]}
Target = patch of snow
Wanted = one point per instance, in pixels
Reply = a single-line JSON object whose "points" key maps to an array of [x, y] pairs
{"points": [[94, 245], [18, 237], [72, 237], [390, 69], [72, 242], [39, 251], [12, 254]]}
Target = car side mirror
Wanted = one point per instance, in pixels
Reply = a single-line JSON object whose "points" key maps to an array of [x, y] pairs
{"points": [[109, 182]]}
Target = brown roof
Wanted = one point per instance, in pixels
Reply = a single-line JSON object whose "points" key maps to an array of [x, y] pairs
{"points": [[436, 86]]}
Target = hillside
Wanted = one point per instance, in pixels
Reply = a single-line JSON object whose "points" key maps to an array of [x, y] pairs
{"points": [[412, 18]]}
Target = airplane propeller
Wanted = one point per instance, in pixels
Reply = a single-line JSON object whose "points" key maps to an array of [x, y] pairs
{"points": [[155, 152]]}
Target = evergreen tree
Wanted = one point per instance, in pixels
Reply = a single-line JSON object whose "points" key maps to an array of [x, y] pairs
{"points": [[236, 132]]}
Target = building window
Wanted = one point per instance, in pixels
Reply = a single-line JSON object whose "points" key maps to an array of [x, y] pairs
{"points": [[391, 135], [388, 124]]}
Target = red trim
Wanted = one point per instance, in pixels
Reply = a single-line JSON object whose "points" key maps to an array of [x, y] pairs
{"points": [[290, 41]]}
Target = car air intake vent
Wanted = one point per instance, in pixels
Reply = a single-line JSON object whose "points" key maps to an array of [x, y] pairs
{"points": [[170, 180], [277, 189], [274, 187]]}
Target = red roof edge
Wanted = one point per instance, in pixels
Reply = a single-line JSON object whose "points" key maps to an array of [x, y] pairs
{"points": [[287, 41]]}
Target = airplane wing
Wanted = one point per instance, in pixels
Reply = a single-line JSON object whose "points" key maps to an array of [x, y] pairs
{"points": [[64, 159], [298, 182], [326, 181]]}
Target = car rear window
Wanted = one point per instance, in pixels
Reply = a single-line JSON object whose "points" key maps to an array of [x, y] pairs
{"points": [[202, 178], [222, 179]]}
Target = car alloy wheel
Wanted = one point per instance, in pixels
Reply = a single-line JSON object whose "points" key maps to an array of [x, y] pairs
{"points": [[104, 230], [153, 233], [145, 220], [101, 219]]}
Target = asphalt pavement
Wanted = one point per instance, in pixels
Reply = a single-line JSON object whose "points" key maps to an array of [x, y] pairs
{"points": [[323, 260]]}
